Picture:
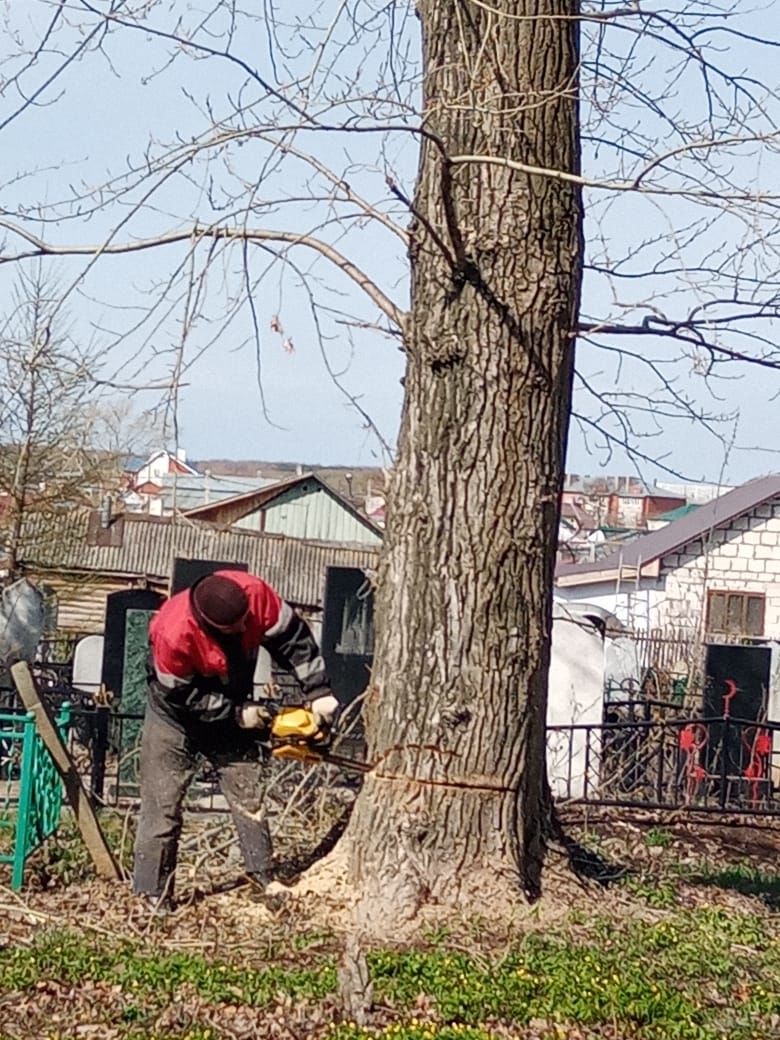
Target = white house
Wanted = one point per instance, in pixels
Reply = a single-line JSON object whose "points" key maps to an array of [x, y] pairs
{"points": [[712, 576], [160, 465], [713, 572]]}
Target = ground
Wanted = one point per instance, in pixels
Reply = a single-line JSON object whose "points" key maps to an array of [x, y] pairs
{"points": [[677, 938]]}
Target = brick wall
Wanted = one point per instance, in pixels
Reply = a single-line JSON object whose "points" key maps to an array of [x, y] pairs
{"points": [[743, 556]]}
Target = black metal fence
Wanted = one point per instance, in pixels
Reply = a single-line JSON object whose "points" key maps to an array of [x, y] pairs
{"points": [[717, 764], [643, 756], [106, 748]]}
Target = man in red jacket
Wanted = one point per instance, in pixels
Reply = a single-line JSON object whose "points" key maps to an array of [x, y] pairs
{"points": [[204, 644]]}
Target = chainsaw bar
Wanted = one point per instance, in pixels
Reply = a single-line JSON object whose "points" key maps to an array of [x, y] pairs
{"points": [[307, 753]]}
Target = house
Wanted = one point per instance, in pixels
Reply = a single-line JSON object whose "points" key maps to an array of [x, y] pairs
{"points": [[304, 506], [674, 514], [715, 571], [694, 492], [707, 584], [81, 556], [376, 509], [622, 503], [608, 510], [157, 466], [144, 478]]}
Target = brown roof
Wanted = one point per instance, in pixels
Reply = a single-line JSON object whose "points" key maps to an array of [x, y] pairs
{"points": [[697, 524], [135, 545]]}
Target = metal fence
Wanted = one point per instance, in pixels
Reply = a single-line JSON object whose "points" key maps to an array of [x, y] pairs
{"points": [[30, 789], [712, 764], [643, 755], [106, 747], [717, 764]]}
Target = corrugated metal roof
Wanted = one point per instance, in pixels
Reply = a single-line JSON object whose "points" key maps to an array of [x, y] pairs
{"points": [[687, 529], [146, 547], [189, 491]]}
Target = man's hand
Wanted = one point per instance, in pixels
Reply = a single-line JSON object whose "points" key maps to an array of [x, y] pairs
{"points": [[324, 708], [250, 715]]}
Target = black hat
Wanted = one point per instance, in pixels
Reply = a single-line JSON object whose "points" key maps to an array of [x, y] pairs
{"points": [[219, 600]]}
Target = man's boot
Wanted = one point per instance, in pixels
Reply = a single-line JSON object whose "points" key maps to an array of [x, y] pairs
{"points": [[265, 891]]}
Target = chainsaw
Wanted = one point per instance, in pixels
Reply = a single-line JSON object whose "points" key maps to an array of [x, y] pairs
{"points": [[296, 734]]}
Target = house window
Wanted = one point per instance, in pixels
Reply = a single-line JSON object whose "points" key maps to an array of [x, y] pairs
{"points": [[736, 613]]}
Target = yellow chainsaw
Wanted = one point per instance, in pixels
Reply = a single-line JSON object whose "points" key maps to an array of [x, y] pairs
{"points": [[296, 734]]}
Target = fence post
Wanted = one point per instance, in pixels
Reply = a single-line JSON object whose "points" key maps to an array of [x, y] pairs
{"points": [[724, 772], [94, 839], [659, 780], [27, 772], [99, 748]]}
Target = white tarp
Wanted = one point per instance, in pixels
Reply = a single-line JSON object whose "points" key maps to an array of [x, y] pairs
{"points": [[21, 622]]}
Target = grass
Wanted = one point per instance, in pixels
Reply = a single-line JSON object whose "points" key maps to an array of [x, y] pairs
{"points": [[662, 889], [658, 838], [68, 959], [687, 973], [697, 975], [742, 877]]}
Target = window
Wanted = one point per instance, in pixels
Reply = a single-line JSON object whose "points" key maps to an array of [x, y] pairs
{"points": [[736, 613]]}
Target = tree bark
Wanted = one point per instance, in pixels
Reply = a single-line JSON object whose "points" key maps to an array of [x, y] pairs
{"points": [[457, 805]]}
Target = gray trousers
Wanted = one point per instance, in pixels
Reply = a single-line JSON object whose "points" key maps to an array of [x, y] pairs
{"points": [[169, 755]]}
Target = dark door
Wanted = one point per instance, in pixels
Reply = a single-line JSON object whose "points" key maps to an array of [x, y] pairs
{"points": [[736, 688], [348, 630], [737, 681]]}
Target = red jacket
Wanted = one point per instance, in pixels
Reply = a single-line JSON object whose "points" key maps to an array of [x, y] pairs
{"points": [[199, 674]]}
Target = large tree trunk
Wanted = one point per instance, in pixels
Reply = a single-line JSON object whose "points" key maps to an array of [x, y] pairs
{"points": [[456, 716]]}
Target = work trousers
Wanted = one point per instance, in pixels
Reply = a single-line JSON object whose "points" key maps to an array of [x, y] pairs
{"points": [[169, 759]]}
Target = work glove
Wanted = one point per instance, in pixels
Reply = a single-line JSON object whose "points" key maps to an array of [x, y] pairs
{"points": [[251, 715], [324, 707]]}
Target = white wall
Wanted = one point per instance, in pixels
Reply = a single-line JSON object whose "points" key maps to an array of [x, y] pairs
{"points": [[637, 605], [154, 469], [575, 694], [743, 556]]}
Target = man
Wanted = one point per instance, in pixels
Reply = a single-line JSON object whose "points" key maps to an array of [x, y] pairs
{"points": [[204, 644]]}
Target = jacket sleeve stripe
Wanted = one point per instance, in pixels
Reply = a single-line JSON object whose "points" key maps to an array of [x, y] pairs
{"points": [[170, 681], [282, 622], [307, 670]]}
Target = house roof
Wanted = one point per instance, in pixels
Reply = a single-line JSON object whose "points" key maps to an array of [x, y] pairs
{"points": [[196, 490], [260, 497], [647, 550], [676, 514], [133, 463], [605, 484], [138, 546]]}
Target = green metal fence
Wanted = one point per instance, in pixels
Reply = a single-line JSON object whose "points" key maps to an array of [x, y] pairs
{"points": [[30, 790]]}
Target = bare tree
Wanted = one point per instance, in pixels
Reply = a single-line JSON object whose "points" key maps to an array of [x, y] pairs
{"points": [[56, 449], [302, 132]]}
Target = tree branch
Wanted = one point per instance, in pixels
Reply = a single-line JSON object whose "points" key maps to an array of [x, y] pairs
{"points": [[43, 248]]}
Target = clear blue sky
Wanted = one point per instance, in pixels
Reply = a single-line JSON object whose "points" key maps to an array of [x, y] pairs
{"points": [[106, 108]]}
